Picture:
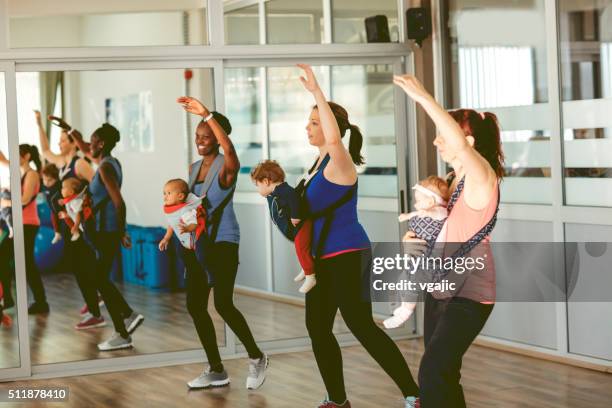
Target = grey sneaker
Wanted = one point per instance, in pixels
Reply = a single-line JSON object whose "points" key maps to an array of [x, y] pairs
{"points": [[116, 342], [257, 372], [209, 379], [133, 321], [412, 402]]}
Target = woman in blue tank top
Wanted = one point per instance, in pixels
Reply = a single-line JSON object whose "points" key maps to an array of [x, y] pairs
{"points": [[343, 256], [77, 253], [110, 220], [214, 176]]}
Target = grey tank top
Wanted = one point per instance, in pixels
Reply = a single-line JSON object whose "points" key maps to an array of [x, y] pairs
{"points": [[229, 230], [106, 214]]}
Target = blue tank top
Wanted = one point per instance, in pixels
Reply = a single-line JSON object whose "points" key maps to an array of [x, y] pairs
{"points": [[229, 230], [345, 232], [106, 214], [69, 169]]}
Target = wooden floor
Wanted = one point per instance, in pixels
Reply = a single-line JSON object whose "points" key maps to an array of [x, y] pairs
{"points": [[491, 379], [53, 338]]}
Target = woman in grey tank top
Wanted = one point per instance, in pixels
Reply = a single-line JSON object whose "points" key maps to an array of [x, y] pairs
{"points": [[215, 176]]}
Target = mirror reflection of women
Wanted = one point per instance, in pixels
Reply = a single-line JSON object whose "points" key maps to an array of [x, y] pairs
{"points": [[77, 254], [30, 186], [110, 218], [346, 255]]}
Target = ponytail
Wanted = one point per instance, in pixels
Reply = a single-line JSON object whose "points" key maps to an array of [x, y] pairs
{"points": [[34, 155], [355, 136], [355, 143], [485, 130]]}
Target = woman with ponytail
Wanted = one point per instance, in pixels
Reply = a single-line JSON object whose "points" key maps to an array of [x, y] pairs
{"points": [[30, 186], [342, 253], [470, 143]]}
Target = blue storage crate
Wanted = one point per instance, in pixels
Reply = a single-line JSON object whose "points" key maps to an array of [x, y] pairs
{"points": [[129, 257], [145, 264]]}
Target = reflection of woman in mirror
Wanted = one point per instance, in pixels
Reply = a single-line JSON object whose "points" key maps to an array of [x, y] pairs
{"points": [[344, 251], [30, 186], [110, 218], [77, 254], [215, 176]]}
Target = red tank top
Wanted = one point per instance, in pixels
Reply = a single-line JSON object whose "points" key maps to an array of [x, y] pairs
{"points": [[30, 211]]}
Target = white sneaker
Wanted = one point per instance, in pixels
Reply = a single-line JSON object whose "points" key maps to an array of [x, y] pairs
{"points": [[309, 282], [56, 238], [209, 379], [116, 342], [257, 372], [400, 316], [300, 276]]}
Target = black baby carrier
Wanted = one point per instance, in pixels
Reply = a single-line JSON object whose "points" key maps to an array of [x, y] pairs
{"points": [[281, 215]]}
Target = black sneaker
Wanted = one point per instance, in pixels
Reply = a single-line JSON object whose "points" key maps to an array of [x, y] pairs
{"points": [[38, 308]]}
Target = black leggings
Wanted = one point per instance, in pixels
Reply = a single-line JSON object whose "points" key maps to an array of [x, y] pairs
{"points": [[82, 262], [107, 244], [340, 286], [223, 260], [7, 269], [32, 272], [450, 328]]}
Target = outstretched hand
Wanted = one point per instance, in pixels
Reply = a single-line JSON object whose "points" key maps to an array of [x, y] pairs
{"points": [[192, 105], [412, 86], [57, 121], [310, 81]]}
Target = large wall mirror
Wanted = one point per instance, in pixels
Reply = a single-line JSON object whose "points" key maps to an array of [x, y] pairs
{"points": [[156, 144], [9, 335]]}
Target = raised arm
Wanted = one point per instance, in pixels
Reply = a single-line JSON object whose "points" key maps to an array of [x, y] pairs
{"points": [[82, 144], [478, 172], [43, 138], [3, 160], [231, 166], [340, 163]]}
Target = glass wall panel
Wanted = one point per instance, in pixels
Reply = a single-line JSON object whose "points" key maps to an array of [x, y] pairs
{"points": [[242, 98], [495, 67], [586, 78], [348, 21], [366, 91], [294, 21], [156, 138], [70, 23], [9, 334], [241, 24]]}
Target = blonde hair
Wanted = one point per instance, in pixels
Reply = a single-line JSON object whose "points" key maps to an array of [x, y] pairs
{"points": [[437, 183]]}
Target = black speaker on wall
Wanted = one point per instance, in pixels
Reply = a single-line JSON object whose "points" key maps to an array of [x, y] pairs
{"points": [[418, 24], [377, 29]]}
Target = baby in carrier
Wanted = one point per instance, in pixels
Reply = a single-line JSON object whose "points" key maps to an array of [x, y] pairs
{"points": [[186, 217], [78, 214], [430, 201], [53, 194], [6, 214], [288, 215]]}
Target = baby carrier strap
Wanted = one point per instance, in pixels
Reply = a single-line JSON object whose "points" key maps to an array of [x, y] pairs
{"points": [[476, 239], [327, 213], [213, 172], [213, 219]]}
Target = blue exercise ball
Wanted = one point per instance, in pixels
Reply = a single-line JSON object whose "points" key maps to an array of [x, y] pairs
{"points": [[46, 254]]}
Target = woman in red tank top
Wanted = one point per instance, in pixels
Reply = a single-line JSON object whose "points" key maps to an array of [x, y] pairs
{"points": [[30, 186], [470, 143]]}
